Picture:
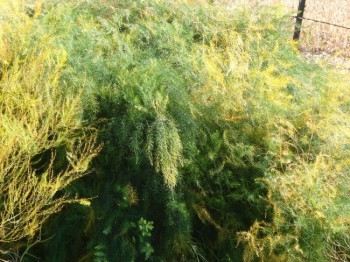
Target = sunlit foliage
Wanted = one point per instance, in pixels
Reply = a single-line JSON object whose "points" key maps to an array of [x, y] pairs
{"points": [[39, 128], [220, 142]]}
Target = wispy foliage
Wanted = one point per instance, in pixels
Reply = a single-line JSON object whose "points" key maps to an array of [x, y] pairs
{"points": [[37, 123], [212, 125]]}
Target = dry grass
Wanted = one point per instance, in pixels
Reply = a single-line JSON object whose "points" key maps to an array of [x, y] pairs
{"points": [[317, 37]]}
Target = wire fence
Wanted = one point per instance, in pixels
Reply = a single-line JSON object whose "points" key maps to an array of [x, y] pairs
{"points": [[322, 22], [300, 17]]}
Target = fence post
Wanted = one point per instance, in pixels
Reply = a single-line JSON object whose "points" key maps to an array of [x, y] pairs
{"points": [[299, 20]]}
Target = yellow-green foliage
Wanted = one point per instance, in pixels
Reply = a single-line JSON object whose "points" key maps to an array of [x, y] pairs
{"points": [[164, 147], [217, 101], [35, 120], [220, 96], [308, 177], [303, 119]]}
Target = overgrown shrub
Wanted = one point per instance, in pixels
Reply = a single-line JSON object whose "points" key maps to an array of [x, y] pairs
{"points": [[215, 133]]}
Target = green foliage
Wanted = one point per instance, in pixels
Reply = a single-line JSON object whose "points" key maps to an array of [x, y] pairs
{"points": [[215, 133], [145, 229]]}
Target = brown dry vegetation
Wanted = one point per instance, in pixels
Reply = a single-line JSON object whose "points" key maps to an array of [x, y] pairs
{"points": [[316, 37]]}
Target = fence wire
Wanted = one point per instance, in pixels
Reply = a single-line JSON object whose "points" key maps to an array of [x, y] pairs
{"points": [[322, 22]]}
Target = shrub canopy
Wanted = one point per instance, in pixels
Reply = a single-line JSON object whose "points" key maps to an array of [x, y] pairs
{"points": [[220, 141]]}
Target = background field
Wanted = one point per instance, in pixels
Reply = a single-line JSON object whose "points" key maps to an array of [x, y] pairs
{"points": [[317, 37]]}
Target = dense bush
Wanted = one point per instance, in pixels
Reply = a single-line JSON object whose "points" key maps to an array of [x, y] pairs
{"points": [[219, 142]]}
